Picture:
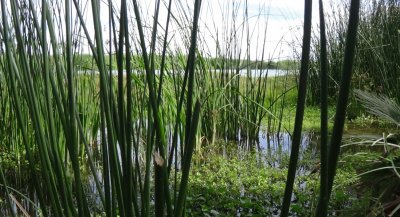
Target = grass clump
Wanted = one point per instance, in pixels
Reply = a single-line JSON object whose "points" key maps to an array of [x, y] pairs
{"points": [[375, 64]]}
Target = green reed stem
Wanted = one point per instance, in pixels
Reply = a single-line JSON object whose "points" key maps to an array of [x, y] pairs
{"points": [[73, 143], [340, 115], [109, 118], [158, 122], [301, 99], [323, 198], [180, 205], [31, 98]]}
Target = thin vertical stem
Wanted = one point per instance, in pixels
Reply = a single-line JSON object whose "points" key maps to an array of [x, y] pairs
{"points": [[158, 122], [187, 158], [340, 115], [301, 99], [73, 141], [323, 197]]}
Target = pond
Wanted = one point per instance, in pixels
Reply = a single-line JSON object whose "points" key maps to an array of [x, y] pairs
{"points": [[243, 72]]}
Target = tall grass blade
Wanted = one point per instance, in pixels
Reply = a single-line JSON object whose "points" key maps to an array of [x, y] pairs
{"points": [[179, 207], [323, 199], [10, 77], [23, 78], [340, 115], [73, 143], [109, 120], [301, 99]]}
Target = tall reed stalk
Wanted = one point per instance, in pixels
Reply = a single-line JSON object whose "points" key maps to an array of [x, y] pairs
{"points": [[323, 199], [329, 154], [334, 147], [375, 64], [301, 99], [235, 85]]}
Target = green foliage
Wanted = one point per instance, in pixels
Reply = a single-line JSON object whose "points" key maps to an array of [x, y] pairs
{"points": [[243, 183], [375, 162], [375, 66], [66, 123], [380, 105], [65, 111]]}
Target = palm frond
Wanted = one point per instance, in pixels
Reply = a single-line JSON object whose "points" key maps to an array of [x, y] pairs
{"points": [[379, 105]]}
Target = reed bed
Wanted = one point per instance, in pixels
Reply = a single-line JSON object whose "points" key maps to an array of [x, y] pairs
{"points": [[375, 64], [131, 110], [64, 112]]}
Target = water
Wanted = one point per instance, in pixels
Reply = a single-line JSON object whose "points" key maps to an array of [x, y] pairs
{"points": [[252, 72], [272, 150]]}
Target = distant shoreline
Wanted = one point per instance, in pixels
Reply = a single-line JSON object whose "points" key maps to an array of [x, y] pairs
{"points": [[254, 73]]}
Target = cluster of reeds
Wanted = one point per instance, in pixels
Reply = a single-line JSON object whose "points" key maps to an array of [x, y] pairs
{"points": [[239, 92], [143, 123], [378, 50], [63, 112], [329, 150], [376, 66]]}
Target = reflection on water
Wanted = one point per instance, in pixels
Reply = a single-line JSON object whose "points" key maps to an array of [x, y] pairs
{"points": [[274, 149]]}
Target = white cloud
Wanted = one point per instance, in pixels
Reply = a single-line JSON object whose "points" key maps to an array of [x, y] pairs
{"points": [[221, 20]]}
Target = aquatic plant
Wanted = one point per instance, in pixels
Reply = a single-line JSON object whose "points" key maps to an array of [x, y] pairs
{"points": [[379, 105], [331, 154], [375, 65], [61, 112], [301, 99], [383, 172], [134, 128]]}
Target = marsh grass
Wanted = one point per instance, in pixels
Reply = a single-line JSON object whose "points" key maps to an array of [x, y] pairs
{"points": [[134, 109], [329, 154], [375, 64], [60, 112]]}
